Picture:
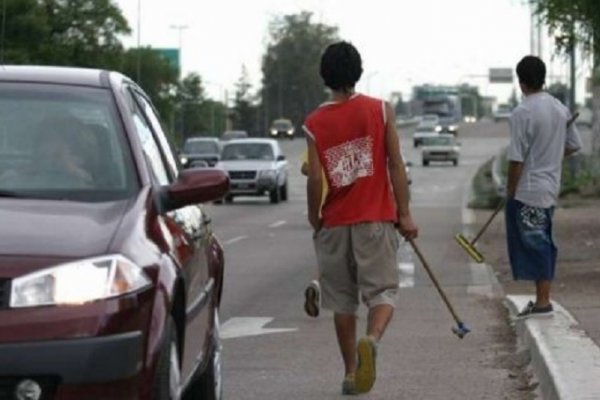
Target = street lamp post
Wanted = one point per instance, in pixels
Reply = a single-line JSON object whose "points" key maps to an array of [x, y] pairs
{"points": [[180, 29]]}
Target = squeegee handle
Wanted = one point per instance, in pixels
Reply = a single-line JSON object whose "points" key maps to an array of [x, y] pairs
{"points": [[435, 281], [489, 221]]}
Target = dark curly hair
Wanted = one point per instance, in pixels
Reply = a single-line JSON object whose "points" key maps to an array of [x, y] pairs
{"points": [[341, 66], [531, 71]]}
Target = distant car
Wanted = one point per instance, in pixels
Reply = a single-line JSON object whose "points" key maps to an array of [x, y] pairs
{"points": [[198, 151], [256, 167], [110, 273], [282, 128], [502, 113], [230, 135], [443, 147], [470, 119], [448, 124], [425, 130], [432, 119]]}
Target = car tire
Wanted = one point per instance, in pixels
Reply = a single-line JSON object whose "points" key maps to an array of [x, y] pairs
{"points": [[425, 163], [284, 192], [167, 381], [218, 202], [229, 199], [455, 162], [415, 144], [208, 386], [275, 195]]}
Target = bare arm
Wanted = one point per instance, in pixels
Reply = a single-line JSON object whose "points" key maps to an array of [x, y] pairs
{"points": [[397, 172], [515, 169], [314, 185]]}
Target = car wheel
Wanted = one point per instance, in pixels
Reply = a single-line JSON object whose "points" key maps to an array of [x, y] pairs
{"points": [[208, 386], [425, 163], [167, 382], [455, 162], [415, 144], [275, 195], [229, 199], [284, 192]]}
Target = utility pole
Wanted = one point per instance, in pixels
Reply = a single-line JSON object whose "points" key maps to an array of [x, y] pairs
{"points": [[139, 49], [572, 101], [180, 29], [3, 32]]}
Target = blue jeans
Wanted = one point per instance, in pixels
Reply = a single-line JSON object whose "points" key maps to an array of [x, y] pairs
{"points": [[531, 248]]}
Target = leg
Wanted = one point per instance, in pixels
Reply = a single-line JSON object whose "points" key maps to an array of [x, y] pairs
{"points": [[345, 328], [379, 318], [542, 291]]}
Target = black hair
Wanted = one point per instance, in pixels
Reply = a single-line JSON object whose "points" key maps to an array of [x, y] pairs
{"points": [[341, 66], [531, 71]]}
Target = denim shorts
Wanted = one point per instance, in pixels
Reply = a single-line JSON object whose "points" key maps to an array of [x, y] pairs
{"points": [[531, 248]]}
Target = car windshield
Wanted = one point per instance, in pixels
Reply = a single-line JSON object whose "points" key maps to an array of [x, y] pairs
{"points": [[438, 141], [426, 128], [248, 151], [62, 142], [201, 147], [282, 125]]}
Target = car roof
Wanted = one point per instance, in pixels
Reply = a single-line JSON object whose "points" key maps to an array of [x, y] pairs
{"points": [[253, 140], [55, 75]]}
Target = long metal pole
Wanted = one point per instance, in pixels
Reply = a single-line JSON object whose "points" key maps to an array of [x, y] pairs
{"points": [[139, 41], [572, 101], [2, 36]]}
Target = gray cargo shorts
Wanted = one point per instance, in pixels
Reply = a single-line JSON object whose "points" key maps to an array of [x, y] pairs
{"points": [[357, 259]]}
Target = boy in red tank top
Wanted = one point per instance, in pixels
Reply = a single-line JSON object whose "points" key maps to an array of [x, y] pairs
{"points": [[353, 139]]}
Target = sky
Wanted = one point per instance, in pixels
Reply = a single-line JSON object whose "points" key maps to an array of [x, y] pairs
{"points": [[402, 42]]}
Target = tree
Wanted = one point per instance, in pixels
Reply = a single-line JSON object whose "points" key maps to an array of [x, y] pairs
{"points": [[577, 21], [84, 33], [190, 97], [244, 111], [26, 30], [291, 83]]}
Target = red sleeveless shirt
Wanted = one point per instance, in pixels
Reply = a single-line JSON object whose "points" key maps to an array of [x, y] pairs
{"points": [[350, 140]]}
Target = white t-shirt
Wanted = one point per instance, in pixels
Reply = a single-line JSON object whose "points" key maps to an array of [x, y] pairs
{"points": [[539, 136]]}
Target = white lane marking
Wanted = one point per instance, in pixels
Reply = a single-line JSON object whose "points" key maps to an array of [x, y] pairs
{"points": [[249, 326], [278, 224], [235, 240], [407, 274]]}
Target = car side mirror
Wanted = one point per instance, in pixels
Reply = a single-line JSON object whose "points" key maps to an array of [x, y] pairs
{"points": [[194, 186], [281, 157]]}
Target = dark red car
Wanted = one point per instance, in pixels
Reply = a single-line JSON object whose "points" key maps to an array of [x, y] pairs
{"points": [[110, 275]]}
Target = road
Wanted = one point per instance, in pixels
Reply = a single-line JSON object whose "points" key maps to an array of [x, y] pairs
{"points": [[272, 350]]}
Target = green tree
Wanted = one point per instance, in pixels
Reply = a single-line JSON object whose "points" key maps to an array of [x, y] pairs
{"points": [[83, 33], [26, 30], [190, 96], [291, 85], [577, 21], [244, 111]]}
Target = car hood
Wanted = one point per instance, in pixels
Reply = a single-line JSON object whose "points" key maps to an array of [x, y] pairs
{"points": [[201, 155], [253, 165], [57, 229], [425, 134]]}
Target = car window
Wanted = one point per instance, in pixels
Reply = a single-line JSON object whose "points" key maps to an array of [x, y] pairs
{"points": [[438, 141], [248, 151], [63, 142], [166, 148], [200, 146], [150, 147]]}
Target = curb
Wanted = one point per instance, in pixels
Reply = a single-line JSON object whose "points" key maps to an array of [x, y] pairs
{"points": [[565, 360]]}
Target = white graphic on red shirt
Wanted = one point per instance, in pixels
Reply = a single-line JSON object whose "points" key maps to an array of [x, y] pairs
{"points": [[350, 161]]}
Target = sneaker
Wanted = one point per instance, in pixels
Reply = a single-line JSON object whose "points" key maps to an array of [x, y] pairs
{"points": [[531, 310], [312, 299], [367, 357], [349, 385]]}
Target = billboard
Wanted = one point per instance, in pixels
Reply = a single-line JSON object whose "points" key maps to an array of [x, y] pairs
{"points": [[501, 75], [172, 56]]}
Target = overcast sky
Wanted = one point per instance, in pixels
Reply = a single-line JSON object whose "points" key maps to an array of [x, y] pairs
{"points": [[402, 42]]}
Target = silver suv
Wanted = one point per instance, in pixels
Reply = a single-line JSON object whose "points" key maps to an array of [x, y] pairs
{"points": [[256, 167]]}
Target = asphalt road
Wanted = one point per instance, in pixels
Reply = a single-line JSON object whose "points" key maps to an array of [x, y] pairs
{"points": [[272, 350]]}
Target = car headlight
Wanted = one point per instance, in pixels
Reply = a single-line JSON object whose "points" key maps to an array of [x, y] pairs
{"points": [[78, 282], [267, 173], [290, 132], [452, 128], [438, 128], [274, 132], [184, 160]]}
